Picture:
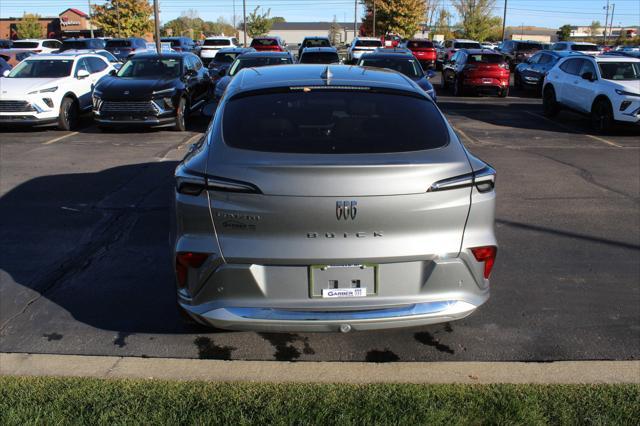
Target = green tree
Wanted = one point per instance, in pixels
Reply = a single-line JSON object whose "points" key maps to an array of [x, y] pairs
{"points": [[442, 24], [594, 28], [477, 17], [258, 24], [29, 26], [334, 32], [402, 17], [564, 32], [124, 18], [278, 19]]}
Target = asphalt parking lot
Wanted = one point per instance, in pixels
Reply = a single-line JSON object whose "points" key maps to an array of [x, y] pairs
{"points": [[86, 267]]}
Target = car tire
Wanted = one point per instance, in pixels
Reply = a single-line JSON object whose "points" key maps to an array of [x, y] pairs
{"points": [[601, 115], [181, 116], [68, 116], [550, 107]]}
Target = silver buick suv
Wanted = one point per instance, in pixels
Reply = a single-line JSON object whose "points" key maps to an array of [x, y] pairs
{"points": [[331, 198]]}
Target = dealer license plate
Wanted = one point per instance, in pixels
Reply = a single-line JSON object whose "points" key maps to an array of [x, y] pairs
{"points": [[343, 281]]}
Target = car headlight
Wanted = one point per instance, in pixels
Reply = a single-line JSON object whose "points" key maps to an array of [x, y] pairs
{"points": [[47, 90], [625, 93]]}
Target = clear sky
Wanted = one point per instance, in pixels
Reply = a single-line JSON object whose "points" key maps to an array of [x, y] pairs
{"points": [[544, 13]]}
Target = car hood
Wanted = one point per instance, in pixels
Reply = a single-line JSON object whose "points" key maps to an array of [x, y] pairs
{"points": [[132, 88], [632, 86], [12, 87]]}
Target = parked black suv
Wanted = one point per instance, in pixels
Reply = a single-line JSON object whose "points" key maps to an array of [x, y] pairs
{"points": [[319, 55], [82, 44], [121, 48], [313, 42], [181, 44], [152, 89], [516, 51]]}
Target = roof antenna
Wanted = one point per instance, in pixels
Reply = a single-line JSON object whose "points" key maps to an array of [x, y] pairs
{"points": [[327, 75]]}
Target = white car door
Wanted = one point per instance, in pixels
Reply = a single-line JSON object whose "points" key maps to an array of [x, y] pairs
{"points": [[584, 91], [83, 86], [565, 80]]}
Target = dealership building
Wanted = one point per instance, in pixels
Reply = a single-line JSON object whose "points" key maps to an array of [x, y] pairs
{"points": [[69, 23]]}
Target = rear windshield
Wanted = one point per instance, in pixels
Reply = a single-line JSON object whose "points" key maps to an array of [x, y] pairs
{"points": [[174, 42], [255, 62], [584, 47], [409, 67], [527, 47], [225, 57], [333, 122], [74, 44], [466, 45], [419, 44], [486, 59], [368, 43], [319, 58], [323, 42], [217, 42], [118, 43], [25, 44], [264, 42]]}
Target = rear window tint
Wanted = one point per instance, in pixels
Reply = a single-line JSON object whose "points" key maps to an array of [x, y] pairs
{"points": [[584, 47], [319, 58], [118, 43], [333, 122], [419, 44], [466, 45], [264, 42], [485, 58], [322, 42], [25, 44], [368, 43], [528, 47], [217, 42]]}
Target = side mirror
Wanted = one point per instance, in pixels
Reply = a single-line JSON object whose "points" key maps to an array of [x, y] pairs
{"points": [[5, 73], [114, 72], [82, 74], [587, 76]]}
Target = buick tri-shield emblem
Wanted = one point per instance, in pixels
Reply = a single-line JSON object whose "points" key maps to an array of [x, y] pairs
{"points": [[346, 210]]}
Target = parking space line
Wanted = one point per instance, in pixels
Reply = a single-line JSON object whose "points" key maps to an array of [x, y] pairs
{"points": [[562, 126], [464, 135], [181, 146], [58, 139]]}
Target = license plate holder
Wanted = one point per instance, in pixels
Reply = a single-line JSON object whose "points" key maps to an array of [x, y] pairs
{"points": [[343, 281]]}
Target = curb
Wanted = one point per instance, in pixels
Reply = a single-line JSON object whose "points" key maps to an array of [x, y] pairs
{"points": [[561, 372]]}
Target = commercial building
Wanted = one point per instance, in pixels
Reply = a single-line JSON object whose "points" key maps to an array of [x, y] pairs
{"points": [[69, 23]]}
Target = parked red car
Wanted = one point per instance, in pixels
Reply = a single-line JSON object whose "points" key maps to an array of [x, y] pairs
{"points": [[482, 70], [424, 51], [268, 44]]}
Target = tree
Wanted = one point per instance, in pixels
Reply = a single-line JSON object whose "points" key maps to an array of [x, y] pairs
{"points": [[442, 24], [277, 19], [564, 32], [258, 24], [29, 26], [477, 17], [594, 28], [334, 32], [431, 7], [402, 17], [124, 18]]}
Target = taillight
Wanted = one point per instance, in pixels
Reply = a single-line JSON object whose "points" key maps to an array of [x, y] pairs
{"points": [[484, 180], [189, 183], [186, 260], [486, 254]]}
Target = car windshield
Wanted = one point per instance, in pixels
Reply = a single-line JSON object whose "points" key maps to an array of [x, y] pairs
{"points": [[584, 47], [319, 58], [620, 70], [25, 44], [264, 42], [225, 57], [43, 68], [242, 63], [217, 42], [333, 122], [368, 43], [322, 42], [409, 67], [486, 59], [466, 45], [118, 43], [151, 67]]}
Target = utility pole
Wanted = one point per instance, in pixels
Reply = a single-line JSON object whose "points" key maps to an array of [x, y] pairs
{"points": [[355, 19], [116, 5], [504, 19], [234, 17], [90, 20], [374, 18], [156, 17], [606, 21], [611, 23], [244, 21]]}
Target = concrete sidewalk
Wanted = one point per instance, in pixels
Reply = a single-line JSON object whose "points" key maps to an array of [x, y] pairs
{"points": [[565, 372]]}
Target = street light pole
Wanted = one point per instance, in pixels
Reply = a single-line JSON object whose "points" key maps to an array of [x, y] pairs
{"points": [[156, 17], [90, 20], [355, 19], [374, 18], [606, 21], [504, 19], [244, 21], [611, 24]]}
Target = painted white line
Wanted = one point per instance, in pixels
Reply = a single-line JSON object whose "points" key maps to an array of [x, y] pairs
{"points": [[60, 138], [560, 372], [562, 126], [464, 135]]}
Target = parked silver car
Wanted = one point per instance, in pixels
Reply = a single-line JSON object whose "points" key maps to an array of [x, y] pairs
{"points": [[328, 198]]}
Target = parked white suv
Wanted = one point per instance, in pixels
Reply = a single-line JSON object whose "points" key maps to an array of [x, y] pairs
{"points": [[575, 46], [212, 45], [605, 87], [51, 89], [360, 46], [37, 45]]}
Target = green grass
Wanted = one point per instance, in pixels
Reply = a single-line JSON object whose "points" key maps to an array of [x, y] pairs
{"points": [[45, 400]]}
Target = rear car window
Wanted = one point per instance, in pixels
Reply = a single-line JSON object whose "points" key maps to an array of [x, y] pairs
{"points": [[466, 45], [217, 42], [323, 42], [264, 42], [25, 44], [333, 122], [118, 43], [74, 44], [528, 47], [319, 58], [419, 44], [584, 47], [368, 43], [486, 59]]}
